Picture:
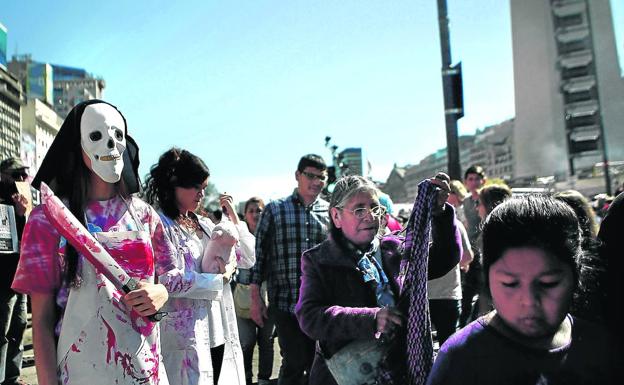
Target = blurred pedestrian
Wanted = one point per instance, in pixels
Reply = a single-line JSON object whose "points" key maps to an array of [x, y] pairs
{"points": [[472, 281], [457, 196], [490, 196], [390, 223], [590, 299], [12, 304], [249, 332], [287, 228], [611, 246]]}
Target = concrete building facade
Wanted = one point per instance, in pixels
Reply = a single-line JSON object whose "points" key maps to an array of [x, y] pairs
{"points": [[569, 91], [395, 185], [40, 124], [36, 78], [491, 147], [62, 87], [350, 161], [72, 86], [11, 101]]}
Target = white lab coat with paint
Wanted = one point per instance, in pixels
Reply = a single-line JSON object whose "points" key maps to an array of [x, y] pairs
{"points": [[201, 311]]}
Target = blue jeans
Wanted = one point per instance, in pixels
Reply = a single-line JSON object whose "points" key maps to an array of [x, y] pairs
{"points": [[13, 322], [249, 333]]}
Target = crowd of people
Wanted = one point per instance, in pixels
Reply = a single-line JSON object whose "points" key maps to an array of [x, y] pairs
{"points": [[511, 289]]}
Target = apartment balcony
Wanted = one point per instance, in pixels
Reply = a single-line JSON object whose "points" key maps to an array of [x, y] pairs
{"points": [[575, 110], [566, 8], [576, 59], [580, 84], [584, 140], [568, 35], [580, 89]]}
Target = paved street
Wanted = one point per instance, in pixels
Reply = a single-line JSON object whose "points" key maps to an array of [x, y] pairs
{"points": [[29, 373]]}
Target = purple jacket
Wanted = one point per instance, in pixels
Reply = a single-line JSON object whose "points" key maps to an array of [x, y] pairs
{"points": [[336, 306]]}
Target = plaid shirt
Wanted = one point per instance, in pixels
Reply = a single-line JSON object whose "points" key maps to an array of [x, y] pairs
{"points": [[286, 229]]}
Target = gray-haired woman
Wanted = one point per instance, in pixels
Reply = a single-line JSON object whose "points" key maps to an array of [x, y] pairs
{"points": [[349, 284]]}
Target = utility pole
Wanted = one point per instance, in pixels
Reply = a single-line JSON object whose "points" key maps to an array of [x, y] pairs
{"points": [[453, 95]]}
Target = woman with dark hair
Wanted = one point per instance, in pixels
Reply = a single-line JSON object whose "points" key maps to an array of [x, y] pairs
{"points": [[584, 212], [590, 299], [86, 331], [250, 333], [531, 246], [351, 282], [490, 196], [199, 335]]}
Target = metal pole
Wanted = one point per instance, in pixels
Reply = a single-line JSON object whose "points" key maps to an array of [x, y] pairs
{"points": [[450, 110]]}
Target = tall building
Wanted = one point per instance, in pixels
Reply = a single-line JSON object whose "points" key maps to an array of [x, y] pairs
{"points": [[3, 46], [72, 86], [40, 124], [59, 86], [11, 101], [35, 77], [569, 93], [350, 161]]}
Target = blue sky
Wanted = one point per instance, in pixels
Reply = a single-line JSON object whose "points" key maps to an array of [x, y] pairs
{"points": [[250, 86]]}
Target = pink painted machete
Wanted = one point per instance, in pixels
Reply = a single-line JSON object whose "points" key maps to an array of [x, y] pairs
{"points": [[75, 233]]}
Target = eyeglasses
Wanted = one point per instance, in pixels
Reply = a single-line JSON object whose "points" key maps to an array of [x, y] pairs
{"points": [[362, 212], [19, 174], [311, 176]]}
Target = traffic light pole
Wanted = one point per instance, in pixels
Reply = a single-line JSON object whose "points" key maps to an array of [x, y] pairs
{"points": [[453, 103]]}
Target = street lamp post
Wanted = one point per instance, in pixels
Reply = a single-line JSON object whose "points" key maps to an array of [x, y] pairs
{"points": [[453, 98]]}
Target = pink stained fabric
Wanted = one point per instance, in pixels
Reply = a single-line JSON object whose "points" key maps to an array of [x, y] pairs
{"points": [[41, 263], [100, 339]]}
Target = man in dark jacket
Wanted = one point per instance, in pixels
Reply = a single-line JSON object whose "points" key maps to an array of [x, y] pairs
{"points": [[12, 305]]}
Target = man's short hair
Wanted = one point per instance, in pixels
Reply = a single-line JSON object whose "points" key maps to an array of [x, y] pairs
{"points": [[311, 160], [475, 169]]}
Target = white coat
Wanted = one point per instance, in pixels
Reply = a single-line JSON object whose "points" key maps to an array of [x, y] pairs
{"points": [[185, 331]]}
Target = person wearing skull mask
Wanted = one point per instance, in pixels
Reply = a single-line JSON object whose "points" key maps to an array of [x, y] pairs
{"points": [[86, 330]]}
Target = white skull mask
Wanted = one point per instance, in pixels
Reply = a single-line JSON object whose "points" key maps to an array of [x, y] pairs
{"points": [[103, 139]]}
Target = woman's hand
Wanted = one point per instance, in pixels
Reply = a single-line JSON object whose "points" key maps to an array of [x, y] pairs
{"points": [[227, 203], [20, 203], [388, 319], [441, 181], [466, 259], [230, 269], [147, 299]]}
